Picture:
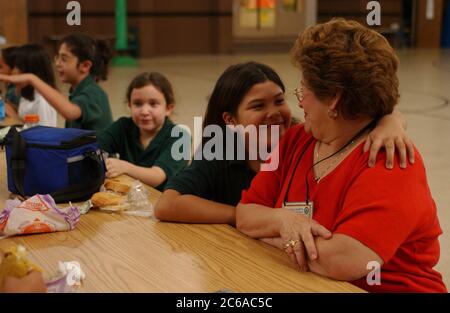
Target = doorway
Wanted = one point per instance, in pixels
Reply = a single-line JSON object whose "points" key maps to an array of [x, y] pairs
{"points": [[272, 19]]}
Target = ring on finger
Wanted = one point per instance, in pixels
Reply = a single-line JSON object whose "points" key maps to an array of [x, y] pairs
{"points": [[291, 243]]}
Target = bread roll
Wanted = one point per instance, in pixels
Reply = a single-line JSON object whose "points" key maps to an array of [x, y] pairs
{"points": [[104, 198], [116, 186]]}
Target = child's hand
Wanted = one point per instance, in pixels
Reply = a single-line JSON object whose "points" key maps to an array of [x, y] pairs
{"points": [[116, 167], [20, 80], [33, 282], [391, 135]]}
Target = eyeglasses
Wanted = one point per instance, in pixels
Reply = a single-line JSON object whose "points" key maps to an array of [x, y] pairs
{"points": [[62, 58], [298, 92]]}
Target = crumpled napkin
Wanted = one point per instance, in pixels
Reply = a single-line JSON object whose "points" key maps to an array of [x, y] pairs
{"points": [[38, 214], [69, 276]]}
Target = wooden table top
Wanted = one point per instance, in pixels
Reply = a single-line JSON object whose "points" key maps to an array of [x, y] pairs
{"points": [[121, 253]]}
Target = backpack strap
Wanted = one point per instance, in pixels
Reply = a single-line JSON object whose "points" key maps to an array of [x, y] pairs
{"points": [[18, 160]]}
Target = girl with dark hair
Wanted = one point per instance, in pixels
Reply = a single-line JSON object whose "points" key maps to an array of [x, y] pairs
{"points": [[207, 191], [7, 57], [248, 94], [143, 141], [81, 62], [33, 59]]}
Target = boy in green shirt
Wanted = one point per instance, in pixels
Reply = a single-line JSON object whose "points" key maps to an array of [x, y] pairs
{"points": [[81, 62], [94, 105]]}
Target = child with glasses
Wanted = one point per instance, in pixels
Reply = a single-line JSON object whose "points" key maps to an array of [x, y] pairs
{"points": [[81, 62]]}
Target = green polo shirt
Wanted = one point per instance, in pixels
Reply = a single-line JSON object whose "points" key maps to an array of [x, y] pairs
{"points": [[123, 137], [94, 105], [217, 180]]}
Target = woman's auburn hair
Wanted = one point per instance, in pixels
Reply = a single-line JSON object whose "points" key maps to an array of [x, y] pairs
{"points": [[342, 56]]}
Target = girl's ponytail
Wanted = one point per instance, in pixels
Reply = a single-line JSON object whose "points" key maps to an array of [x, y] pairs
{"points": [[102, 57]]}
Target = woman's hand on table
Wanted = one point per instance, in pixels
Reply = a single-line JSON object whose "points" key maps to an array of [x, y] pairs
{"points": [[297, 234], [276, 242]]}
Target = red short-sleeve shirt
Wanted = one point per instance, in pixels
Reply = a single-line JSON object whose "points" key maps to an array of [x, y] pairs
{"points": [[390, 211]]}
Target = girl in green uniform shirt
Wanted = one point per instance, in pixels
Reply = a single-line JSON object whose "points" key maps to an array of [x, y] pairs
{"points": [[81, 62], [144, 140]]}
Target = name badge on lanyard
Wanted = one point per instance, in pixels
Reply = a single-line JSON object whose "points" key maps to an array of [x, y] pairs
{"points": [[304, 208]]}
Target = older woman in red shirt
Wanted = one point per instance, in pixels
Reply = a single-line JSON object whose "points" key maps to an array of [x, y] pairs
{"points": [[337, 217]]}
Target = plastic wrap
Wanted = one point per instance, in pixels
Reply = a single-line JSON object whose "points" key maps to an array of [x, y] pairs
{"points": [[135, 202]]}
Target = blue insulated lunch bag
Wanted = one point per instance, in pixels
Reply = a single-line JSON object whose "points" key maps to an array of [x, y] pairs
{"points": [[63, 162]]}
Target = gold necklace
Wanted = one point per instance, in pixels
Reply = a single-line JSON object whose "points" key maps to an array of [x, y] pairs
{"points": [[335, 160]]}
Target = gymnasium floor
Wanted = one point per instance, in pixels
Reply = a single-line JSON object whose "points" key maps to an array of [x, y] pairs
{"points": [[424, 85]]}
